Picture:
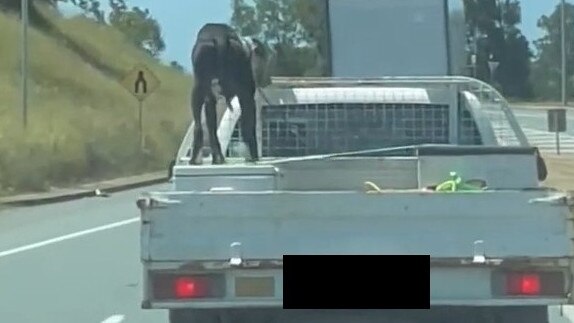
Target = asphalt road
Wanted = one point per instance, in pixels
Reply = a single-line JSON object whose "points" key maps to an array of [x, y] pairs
{"points": [[534, 123], [73, 262], [78, 261]]}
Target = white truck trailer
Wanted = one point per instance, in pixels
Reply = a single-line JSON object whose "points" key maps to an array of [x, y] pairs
{"points": [[502, 255], [499, 256]]}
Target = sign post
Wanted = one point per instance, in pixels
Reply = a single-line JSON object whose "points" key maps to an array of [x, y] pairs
{"points": [[141, 82], [563, 52], [557, 124], [24, 61]]}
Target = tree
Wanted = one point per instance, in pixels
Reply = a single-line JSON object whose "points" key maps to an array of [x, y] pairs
{"points": [[176, 66], [138, 26], [547, 66], [36, 18], [312, 15], [90, 7], [244, 18], [514, 70], [298, 30], [136, 23], [493, 31], [292, 27], [15, 5]]}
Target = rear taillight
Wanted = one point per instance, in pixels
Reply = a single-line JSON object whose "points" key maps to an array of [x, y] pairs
{"points": [[529, 283], [523, 284], [190, 287], [174, 286]]}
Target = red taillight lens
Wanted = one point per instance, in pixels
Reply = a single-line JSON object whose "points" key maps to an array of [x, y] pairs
{"points": [[529, 283], [190, 287], [523, 284], [166, 285]]}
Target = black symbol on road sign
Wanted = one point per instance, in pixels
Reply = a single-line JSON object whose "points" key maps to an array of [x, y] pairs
{"points": [[140, 81]]}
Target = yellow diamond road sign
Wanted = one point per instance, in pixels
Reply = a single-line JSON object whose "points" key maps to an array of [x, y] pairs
{"points": [[141, 82]]}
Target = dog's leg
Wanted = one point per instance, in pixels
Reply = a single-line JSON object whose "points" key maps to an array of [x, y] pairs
{"points": [[211, 119], [197, 100], [248, 124]]}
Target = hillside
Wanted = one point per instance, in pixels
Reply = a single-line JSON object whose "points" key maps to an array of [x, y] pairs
{"points": [[83, 124]]}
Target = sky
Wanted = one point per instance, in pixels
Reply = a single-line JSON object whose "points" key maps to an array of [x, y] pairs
{"points": [[181, 19]]}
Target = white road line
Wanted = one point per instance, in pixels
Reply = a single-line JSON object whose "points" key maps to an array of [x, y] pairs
{"points": [[114, 319], [67, 237]]}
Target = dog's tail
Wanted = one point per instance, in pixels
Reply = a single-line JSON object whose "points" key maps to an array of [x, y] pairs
{"points": [[221, 45]]}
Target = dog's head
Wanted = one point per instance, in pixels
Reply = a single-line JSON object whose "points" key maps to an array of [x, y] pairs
{"points": [[263, 60]]}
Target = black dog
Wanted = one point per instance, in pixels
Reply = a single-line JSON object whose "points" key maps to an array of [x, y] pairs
{"points": [[221, 58]]}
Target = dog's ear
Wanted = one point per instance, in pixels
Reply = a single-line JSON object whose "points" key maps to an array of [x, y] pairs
{"points": [[258, 47], [260, 62]]}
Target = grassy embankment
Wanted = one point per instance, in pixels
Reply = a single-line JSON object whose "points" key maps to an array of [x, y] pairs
{"points": [[82, 122], [83, 125]]}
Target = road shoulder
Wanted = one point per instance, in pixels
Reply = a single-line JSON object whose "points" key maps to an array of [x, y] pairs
{"points": [[85, 190], [560, 171]]}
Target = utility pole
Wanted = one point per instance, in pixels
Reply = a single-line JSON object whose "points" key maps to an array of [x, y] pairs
{"points": [[24, 61], [563, 41]]}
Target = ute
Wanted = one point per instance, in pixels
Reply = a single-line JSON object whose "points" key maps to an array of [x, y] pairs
{"points": [[350, 166]]}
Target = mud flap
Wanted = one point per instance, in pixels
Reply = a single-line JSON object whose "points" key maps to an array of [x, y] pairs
{"points": [[541, 166]]}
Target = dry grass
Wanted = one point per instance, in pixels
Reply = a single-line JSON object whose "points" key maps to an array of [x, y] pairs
{"points": [[560, 172], [82, 122]]}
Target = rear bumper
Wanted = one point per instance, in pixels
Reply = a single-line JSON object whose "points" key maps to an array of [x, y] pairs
{"points": [[279, 304], [509, 314], [452, 284], [212, 305]]}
